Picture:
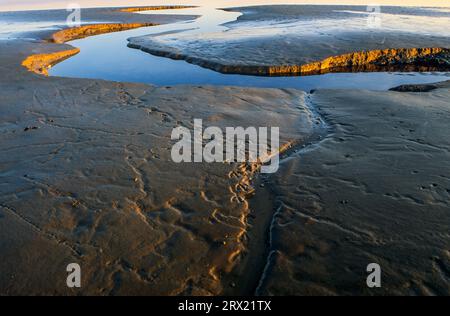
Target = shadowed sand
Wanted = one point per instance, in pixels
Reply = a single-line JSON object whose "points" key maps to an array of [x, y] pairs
{"points": [[87, 177], [376, 189]]}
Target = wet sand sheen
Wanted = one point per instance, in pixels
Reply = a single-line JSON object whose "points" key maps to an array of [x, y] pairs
{"points": [[258, 247], [106, 176], [358, 48]]}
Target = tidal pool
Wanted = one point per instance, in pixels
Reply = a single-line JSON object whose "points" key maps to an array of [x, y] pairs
{"points": [[108, 57]]}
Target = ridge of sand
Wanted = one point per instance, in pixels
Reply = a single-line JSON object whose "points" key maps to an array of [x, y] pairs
{"points": [[80, 32], [421, 87], [340, 41], [410, 59], [156, 8], [40, 63]]}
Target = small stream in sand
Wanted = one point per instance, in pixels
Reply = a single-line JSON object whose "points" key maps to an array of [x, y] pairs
{"points": [[108, 57]]}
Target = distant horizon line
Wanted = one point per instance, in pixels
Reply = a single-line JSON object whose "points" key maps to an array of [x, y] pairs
{"points": [[219, 7]]}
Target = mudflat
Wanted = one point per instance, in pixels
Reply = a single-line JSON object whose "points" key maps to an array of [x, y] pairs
{"points": [[375, 190], [96, 184], [305, 39], [42, 23], [87, 177]]}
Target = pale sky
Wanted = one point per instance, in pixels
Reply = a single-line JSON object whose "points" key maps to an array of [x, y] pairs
{"points": [[6, 5]]}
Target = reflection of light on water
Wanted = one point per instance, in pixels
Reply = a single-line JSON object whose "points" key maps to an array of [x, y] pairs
{"points": [[209, 27], [13, 30], [210, 19], [425, 25], [410, 23]]}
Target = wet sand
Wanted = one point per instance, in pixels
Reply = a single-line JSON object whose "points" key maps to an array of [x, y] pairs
{"points": [[45, 23], [302, 40], [97, 186], [86, 177], [376, 190]]}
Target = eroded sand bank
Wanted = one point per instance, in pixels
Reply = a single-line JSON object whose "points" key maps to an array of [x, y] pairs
{"points": [[52, 27], [304, 40]]}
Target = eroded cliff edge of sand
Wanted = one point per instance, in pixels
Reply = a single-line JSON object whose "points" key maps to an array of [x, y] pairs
{"points": [[71, 34], [40, 63], [316, 40], [156, 8], [398, 59]]}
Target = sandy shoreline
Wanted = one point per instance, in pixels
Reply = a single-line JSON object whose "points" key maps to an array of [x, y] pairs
{"points": [[96, 185]]}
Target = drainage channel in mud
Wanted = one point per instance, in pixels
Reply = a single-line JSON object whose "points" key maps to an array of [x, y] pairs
{"points": [[323, 131], [249, 276]]}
